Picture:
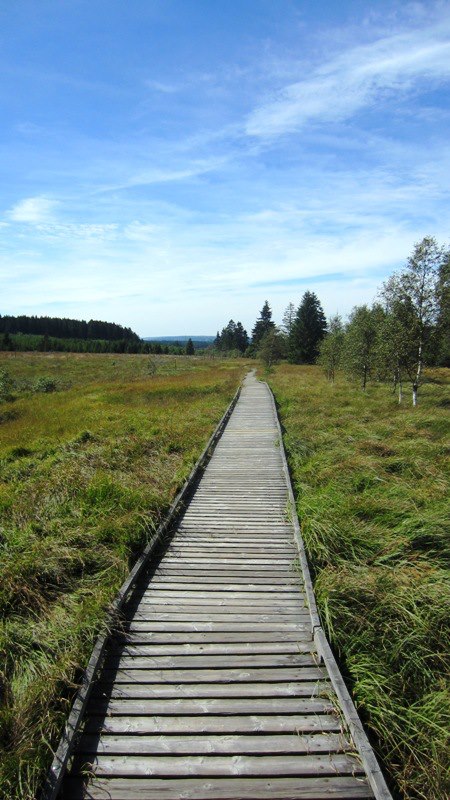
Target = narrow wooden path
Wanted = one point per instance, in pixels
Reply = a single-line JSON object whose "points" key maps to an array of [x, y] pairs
{"points": [[216, 691]]}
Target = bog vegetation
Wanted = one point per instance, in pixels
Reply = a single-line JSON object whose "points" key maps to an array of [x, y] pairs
{"points": [[371, 482], [92, 451]]}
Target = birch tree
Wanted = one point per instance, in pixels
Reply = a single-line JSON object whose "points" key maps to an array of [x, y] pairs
{"points": [[330, 349], [393, 348], [360, 347], [415, 290], [272, 347]]}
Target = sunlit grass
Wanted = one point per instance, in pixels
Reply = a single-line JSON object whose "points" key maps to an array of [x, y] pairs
{"points": [[86, 474], [371, 481]]}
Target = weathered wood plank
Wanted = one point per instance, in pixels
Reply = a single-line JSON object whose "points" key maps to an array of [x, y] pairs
{"points": [[212, 724], [269, 765], [194, 615], [159, 690], [214, 648], [209, 574], [211, 705], [218, 661], [193, 637], [202, 675], [340, 788], [247, 589], [215, 744], [211, 596], [270, 583]]}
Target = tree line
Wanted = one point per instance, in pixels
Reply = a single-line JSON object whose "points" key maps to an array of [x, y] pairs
{"points": [[63, 328], [25, 342], [405, 329]]}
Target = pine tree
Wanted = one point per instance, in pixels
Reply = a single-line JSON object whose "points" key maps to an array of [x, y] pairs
{"points": [[232, 337], [308, 330], [262, 325], [288, 319], [190, 350]]}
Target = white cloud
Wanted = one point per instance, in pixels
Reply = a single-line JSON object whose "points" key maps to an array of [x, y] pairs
{"points": [[355, 79], [164, 88], [33, 210]]}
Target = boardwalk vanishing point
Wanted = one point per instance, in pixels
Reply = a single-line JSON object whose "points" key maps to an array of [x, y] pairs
{"points": [[221, 684]]}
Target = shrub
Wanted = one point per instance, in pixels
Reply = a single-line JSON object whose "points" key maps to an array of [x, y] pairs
{"points": [[45, 384]]}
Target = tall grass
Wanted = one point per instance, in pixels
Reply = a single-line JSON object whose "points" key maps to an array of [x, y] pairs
{"points": [[86, 474], [371, 482]]}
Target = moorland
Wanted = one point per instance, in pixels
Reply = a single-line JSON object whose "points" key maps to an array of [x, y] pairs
{"points": [[93, 449]]}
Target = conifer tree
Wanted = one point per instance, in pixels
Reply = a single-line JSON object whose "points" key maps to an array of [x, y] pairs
{"points": [[262, 325], [190, 347], [308, 330], [288, 319]]}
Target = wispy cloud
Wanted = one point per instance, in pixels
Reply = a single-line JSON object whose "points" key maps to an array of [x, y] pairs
{"points": [[164, 88], [33, 210], [358, 78]]}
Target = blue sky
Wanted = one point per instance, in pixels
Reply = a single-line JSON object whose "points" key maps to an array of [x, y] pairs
{"points": [[169, 164]]}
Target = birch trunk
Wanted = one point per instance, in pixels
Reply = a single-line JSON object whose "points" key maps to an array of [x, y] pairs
{"points": [[418, 374]]}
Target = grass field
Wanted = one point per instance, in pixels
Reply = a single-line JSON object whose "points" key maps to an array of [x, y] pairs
{"points": [[87, 470], [371, 481]]}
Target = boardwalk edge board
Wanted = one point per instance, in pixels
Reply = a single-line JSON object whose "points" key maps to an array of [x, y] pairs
{"points": [[68, 738], [372, 768]]}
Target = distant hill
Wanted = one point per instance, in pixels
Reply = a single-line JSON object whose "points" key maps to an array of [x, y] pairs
{"points": [[200, 342]]}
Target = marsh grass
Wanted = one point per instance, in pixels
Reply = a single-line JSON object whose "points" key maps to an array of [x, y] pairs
{"points": [[86, 474], [371, 484]]}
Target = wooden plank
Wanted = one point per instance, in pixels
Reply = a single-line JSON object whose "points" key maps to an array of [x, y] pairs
{"points": [[194, 637], [163, 690], [218, 661], [163, 766], [202, 675], [214, 648], [193, 615], [178, 626], [193, 553], [209, 575], [219, 559], [175, 585], [211, 705], [155, 594], [269, 583], [212, 724], [215, 744], [339, 788], [208, 600]]}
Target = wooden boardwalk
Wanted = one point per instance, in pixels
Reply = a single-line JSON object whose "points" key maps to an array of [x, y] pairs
{"points": [[216, 691]]}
